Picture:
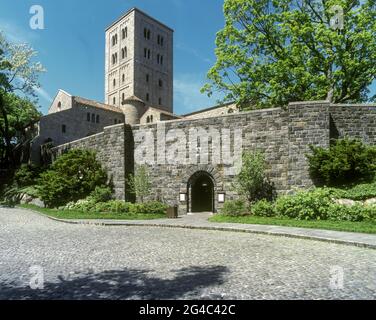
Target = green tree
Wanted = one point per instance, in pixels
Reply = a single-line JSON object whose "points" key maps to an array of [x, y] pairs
{"points": [[18, 75], [20, 113], [252, 183], [273, 52], [73, 176], [139, 184]]}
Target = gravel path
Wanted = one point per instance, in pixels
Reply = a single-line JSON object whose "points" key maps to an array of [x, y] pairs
{"points": [[95, 262]]}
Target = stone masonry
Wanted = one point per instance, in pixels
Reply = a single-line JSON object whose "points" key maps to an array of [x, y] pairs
{"points": [[282, 134]]}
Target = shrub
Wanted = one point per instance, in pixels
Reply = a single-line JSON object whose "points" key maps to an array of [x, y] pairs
{"points": [[235, 208], [101, 194], [116, 206], [345, 161], [139, 184], [113, 206], [83, 205], [154, 207], [354, 213], [251, 182], [362, 191], [72, 176], [263, 208], [26, 175], [305, 205]]}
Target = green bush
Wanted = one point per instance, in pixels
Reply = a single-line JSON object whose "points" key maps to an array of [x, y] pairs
{"points": [[305, 205], [354, 213], [252, 183], [101, 194], [116, 206], [235, 208], [26, 175], [263, 208], [345, 161], [362, 191], [113, 206], [73, 176], [153, 207]]}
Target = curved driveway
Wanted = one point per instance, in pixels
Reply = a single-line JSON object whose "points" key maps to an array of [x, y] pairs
{"points": [[95, 262]]}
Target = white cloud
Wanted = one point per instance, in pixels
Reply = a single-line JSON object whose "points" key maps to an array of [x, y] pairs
{"points": [[187, 95], [43, 94]]}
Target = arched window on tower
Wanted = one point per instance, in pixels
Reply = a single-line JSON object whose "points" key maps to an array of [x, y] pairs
{"points": [[123, 78], [97, 119], [59, 106], [124, 53], [125, 33]]}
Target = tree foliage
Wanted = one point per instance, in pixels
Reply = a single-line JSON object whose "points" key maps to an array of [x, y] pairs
{"points": [[73, 176], [18, 75], [345, 162], [274, 52], [139, 184], [252, 183]]}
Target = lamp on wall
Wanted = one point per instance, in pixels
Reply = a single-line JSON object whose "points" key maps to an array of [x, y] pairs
{"points": [[183, 197], [221, 197]]}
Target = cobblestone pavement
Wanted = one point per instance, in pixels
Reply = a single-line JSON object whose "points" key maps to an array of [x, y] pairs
{"points": [[96, 262]]}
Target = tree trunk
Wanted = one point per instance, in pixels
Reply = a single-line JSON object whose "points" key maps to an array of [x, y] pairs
{"points": [[8, 146]]}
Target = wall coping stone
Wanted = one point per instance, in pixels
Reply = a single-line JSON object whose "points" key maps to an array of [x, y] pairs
{"points": [[210, 117]]}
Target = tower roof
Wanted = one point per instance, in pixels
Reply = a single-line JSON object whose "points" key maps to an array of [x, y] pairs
{"points": [[134, 98], [143, 13]]}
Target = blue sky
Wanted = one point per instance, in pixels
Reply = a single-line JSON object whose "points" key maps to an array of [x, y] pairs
{"points": [[72, 45]]}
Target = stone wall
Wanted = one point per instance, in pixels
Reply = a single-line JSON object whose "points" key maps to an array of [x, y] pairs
{"points": [[282, 134], [216, 111], [357, 121], [308, 125]]}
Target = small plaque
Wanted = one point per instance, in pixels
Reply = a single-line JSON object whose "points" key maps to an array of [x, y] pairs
{"points": [[221, 197]]}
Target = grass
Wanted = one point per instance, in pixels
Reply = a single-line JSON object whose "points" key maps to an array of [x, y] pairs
{"points": [[67, 214], [363, 227]]}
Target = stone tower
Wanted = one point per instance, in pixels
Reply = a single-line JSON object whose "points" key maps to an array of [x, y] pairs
{"points": [[139, 64]]}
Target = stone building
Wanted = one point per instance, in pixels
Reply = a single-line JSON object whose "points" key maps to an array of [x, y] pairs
{"points": [[191, 159], [139, 61], [70, 118]]}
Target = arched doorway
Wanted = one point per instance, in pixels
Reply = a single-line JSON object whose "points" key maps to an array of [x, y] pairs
{"points": [[201, 192]]}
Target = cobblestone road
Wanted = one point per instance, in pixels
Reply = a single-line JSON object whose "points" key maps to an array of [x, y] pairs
{"points": [[94, 262]]}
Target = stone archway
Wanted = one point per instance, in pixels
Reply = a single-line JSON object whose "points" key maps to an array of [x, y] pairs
{"points": [[201, 192]]}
